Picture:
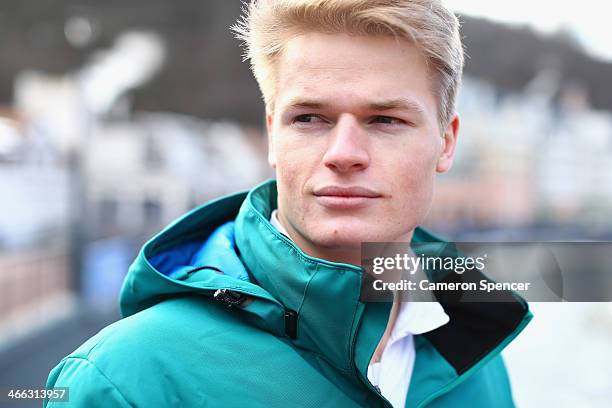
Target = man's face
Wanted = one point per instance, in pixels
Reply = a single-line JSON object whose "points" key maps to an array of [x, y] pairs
{"points": [[355, 141]]}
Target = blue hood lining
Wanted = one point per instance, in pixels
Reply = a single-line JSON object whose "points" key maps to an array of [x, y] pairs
{"points": [[216, 252]]}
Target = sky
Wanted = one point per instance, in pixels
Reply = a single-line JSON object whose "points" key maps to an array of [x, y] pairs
{"points": [[589, 20]]}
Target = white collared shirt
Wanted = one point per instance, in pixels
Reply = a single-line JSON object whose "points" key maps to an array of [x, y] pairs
{"points": [[392, 374]]}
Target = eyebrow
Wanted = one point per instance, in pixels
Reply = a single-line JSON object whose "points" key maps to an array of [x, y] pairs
{"points": [[385, 105], [404, 104]]}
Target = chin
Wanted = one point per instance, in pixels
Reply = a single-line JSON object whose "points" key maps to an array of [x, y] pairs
{"points": [[346, 237]]}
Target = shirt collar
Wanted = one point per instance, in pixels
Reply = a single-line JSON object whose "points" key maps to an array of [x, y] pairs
{"points": [[276, 223]]}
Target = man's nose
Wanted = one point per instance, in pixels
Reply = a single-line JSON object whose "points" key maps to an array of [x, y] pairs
{"points": [[347, 149]]}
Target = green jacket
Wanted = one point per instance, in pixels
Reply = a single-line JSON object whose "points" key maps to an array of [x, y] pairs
{"points": [[288, 331]]}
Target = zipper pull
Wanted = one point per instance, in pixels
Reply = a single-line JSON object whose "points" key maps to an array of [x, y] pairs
{"points": [[291, 317], [229, 298]]}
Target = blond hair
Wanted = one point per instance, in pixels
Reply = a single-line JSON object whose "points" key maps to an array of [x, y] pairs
{"points": [[267, 25]]}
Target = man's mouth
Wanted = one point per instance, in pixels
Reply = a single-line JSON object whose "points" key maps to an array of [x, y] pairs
{"points": [[345, 198]]}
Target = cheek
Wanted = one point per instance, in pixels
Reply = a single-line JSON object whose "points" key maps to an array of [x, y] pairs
{"points": [[413, 180], [296, 160], [287, 168], [290, 179]]}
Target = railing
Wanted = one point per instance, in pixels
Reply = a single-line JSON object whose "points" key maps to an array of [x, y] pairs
{"points": [[35, 290]]}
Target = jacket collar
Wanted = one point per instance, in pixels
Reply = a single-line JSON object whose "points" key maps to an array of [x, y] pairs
{"points": [[324, 294]]}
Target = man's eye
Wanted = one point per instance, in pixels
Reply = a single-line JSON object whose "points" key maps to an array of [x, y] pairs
{"points": [[307, 119], [387, 120]]}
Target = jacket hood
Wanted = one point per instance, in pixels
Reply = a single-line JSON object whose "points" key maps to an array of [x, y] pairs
{"points": [[195, 255]]}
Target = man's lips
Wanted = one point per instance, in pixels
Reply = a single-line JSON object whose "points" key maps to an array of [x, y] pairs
{"points": [[338, 191], [345, 198]]}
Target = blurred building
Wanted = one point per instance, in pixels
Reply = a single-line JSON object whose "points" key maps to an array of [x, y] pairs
{"points": [[35, 280], [85, 181], [143, 173], [527, 158]]}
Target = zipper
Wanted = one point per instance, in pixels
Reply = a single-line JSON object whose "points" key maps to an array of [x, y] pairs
{"points": [[374, 389]]}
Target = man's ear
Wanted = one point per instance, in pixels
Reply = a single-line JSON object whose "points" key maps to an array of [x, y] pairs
{"points": [[449, 142], [271, 155]]}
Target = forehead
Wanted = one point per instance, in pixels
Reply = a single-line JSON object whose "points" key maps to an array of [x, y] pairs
{"points": [[343, 69]]}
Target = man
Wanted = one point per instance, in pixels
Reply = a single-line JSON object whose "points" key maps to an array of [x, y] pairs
{"points": [[254, 299]]}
